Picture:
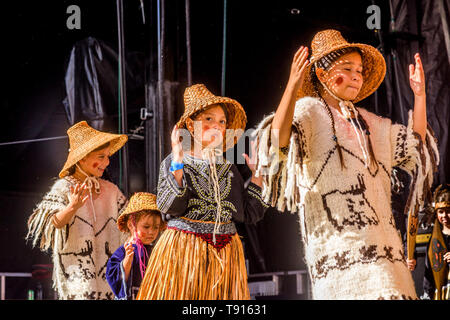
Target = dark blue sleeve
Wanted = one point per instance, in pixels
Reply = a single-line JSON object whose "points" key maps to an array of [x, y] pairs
{"points": [[250, 198], [114, 274]]}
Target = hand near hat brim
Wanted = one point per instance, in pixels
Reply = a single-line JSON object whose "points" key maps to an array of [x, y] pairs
{"points": [[197, 98], [177, 148], [327, 41], [417, 77], [282, 120]]}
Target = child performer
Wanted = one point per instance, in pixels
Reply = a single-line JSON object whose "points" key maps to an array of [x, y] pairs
{"points": [[200, 255], [76, 218], [142, 220], [436, 281], [331, 162]]}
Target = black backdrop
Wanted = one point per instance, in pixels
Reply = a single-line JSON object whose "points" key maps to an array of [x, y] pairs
{"points": [[261, 39]]}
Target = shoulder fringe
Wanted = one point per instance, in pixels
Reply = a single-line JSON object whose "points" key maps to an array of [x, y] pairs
{"points": [[280, 172], [426, 156], [41, 230]]}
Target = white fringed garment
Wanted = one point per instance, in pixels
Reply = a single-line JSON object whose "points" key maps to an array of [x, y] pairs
{"points": [[81, 249]]}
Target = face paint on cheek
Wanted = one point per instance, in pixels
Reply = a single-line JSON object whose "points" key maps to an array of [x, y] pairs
{"points": [[95, 165], [339, 80]]}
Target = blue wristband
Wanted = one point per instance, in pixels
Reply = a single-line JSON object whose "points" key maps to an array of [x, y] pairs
{"points": [[174, 166]]}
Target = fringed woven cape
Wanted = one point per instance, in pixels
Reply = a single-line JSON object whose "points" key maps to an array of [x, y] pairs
{"points": [[81, 249], [352, 247], [186, 264]]}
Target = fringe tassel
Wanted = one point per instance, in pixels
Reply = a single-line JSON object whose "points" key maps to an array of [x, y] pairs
{"points": [[427, 159], [184, 267], [41, 228], [281, 173]]}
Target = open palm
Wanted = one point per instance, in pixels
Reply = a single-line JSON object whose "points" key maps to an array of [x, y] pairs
{"points": [[417, 77]]}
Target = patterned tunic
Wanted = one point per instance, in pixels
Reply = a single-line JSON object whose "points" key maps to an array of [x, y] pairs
{"points": [[352, 247], [194, 202], [80, 249]]}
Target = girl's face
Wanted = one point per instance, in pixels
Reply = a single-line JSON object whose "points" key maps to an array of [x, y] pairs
{"points": [[443, 215], [95, 163], [213, 124], [147, 228], [344, 78]]}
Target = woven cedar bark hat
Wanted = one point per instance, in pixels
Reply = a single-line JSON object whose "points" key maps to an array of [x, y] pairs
{"points": [[197, 98], [138, 202], [84, 139], [327, 41]]}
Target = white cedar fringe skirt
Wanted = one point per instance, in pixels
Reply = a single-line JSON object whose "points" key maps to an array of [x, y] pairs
{"points": [[183, 266]]}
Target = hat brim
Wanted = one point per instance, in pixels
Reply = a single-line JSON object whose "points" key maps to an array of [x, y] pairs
{"points": [[374, 70], [117, 141], [237, 118], [138, 202]]}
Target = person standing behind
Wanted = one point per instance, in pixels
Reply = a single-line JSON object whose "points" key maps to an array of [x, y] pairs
{"points": [[200, 256]]}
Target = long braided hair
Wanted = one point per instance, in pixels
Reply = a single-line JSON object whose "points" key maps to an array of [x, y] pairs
{"points": [[326, 63]]}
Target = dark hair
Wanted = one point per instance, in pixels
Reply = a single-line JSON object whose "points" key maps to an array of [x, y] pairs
{"points": [[143, 213], [326, 61], [222, 105], [103, 146]]}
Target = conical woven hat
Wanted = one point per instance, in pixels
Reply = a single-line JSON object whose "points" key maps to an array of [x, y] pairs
{"points": [[84, 139], [198, 97], [138, 202], [327, 41]]}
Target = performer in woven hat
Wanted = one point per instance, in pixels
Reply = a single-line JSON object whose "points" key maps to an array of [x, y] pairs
{"points": [[200, 255], [142, 221], [436, 282], [330, 161], [76, 219]]}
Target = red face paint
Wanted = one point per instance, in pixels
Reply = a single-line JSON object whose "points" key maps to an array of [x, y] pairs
{"points": [[339, 80], [95, 165]]}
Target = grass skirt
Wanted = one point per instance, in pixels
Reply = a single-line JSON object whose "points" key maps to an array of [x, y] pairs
{"points": [[182, 266]]}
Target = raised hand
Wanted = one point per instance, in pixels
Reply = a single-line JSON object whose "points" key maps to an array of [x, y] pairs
{"points": [[177, 149], [251, 163], [128, 260], [77, 197], [282, 121], [417, 83], [417, 77]]}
